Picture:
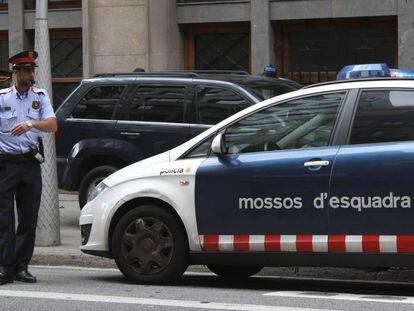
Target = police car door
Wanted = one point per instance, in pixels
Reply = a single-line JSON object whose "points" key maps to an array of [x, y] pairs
{"points": [[278, 161], [372, 178]]}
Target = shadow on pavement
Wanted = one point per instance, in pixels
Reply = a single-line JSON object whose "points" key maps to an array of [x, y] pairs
{"points": [[261, 283]]}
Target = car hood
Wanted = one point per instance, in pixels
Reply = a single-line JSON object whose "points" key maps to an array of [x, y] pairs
{"points": [[136, 170]]}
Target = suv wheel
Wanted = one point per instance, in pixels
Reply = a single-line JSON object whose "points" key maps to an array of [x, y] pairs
{"points": [[149, 246], [234, 271], [91, 180]]}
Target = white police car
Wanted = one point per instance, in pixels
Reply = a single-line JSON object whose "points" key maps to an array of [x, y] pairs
{"points": [[322, 176]]}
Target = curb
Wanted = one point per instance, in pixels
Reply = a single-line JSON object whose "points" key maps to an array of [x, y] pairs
{"points": [[82, 260]]}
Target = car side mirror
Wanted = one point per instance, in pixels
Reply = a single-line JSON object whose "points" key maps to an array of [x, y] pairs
{"points": [[217, 146]]}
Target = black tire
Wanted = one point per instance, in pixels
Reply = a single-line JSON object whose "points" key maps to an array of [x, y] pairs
{"points": [[234, 271], [155, 242], [93, 177]]}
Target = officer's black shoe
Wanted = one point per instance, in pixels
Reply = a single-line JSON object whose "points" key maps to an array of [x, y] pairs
{"points": [[25, 276], [6, 275]]}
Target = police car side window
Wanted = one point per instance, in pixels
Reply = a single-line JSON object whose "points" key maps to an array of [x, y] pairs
{"points": [[383, 116], [98, 103], [158, 104], [202, 150], [217, 104], [301, 123]]}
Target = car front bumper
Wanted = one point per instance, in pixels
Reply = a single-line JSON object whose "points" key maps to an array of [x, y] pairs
{"points": [[95, 221]]}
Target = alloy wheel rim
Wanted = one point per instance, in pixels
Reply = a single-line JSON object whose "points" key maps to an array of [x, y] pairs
{"points": [[147, 245]]}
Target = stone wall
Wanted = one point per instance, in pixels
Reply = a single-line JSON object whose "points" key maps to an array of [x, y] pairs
{"points": [[115, 36]]}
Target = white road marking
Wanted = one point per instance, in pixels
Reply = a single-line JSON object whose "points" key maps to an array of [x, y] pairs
{"points": [[149, 301], [345, 297]]}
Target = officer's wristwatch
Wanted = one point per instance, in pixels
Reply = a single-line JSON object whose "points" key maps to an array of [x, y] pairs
{"points": [[29, 124]]}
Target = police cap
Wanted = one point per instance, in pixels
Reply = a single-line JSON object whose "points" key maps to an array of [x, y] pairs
{"points": [[5, 74], [24, 59]]}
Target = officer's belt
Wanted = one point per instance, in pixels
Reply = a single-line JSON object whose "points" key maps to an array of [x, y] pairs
{"points": [[16, 157]]}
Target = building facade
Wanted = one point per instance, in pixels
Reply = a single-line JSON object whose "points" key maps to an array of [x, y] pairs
{"points": [[307, 40]]}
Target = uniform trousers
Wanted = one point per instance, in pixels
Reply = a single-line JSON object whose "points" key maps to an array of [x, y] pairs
{"points": [[20, 180]]}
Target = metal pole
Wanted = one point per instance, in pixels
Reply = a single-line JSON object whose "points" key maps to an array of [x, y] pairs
{"points": [[48, 224]]}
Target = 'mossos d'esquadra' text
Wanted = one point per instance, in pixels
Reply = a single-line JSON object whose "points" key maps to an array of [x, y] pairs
{"points": [[359, 203]]}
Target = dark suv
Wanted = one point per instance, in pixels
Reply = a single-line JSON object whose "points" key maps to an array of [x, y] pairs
{"points": [[113, 120]]}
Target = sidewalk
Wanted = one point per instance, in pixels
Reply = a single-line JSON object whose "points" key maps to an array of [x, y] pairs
{"points": [[69, 254]]}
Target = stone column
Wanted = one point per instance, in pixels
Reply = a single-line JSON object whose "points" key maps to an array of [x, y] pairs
{"points": [[48, 224], [17, 36], [115, 35], [262, 36], [165, 40], [85, 39], [406, 34]]}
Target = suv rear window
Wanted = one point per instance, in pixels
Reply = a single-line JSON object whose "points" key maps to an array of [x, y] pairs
{"points": [[216, 104], [158, 104], [98, 103], [268, 90]]}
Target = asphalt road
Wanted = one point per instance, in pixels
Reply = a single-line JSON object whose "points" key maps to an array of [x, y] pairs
{"points": [[66, 288]]}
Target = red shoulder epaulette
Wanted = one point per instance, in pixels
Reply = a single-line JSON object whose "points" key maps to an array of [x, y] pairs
{"points": [[38, 91]]}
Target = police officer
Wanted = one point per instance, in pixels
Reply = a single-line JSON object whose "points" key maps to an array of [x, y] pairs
{"points": [[25, 112], [5, 78]]}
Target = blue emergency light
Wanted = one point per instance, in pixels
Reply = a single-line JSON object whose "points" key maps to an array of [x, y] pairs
{"points": [[401, 73], [270, 71], [364, 71]]}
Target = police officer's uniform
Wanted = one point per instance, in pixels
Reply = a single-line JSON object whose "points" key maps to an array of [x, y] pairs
{"points": [[20, 175]]}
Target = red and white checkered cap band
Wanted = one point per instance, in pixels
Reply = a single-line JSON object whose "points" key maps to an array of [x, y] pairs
{"points": [[309, 243]]}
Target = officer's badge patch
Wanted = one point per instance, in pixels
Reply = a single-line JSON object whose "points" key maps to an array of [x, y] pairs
{"points": [[36, 105]]}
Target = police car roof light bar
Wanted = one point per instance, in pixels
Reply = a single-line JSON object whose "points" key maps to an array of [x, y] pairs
{"points": [[354, 80], [364, 71]]}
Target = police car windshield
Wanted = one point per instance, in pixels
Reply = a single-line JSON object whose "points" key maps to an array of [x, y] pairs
{"points": [[266, 89]]}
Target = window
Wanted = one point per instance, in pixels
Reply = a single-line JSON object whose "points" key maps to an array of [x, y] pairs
{"points": [[4, 50], [54, 4], [226, 51], [99, 103], [218, 47], [215, 104], [4, 5], [314, 51], [158, 104], [300, 123], [66, 60], [265, 90], [384, 116], [202, 150]]}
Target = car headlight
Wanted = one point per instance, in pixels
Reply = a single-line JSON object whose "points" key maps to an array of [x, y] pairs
{"points": [[101, 187]]}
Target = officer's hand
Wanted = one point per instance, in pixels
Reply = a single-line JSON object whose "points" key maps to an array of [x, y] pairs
{"points": [[19, 129]]}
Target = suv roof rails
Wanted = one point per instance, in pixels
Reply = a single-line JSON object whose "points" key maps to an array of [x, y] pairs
{"points": [[172, 73], [214, 72], [147, 74], [355, 80]]}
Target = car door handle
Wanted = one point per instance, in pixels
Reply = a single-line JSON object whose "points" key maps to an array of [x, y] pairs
{"points": [[130, 133], [316, 163]]}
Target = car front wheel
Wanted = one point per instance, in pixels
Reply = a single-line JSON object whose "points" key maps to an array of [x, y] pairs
{"points": [[149, 246], [234, 271]]}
